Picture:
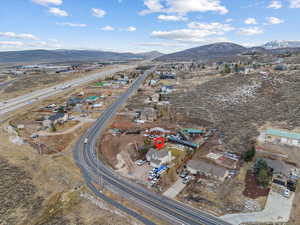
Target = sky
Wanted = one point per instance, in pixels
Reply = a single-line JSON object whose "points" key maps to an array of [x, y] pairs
{"points": [[144, 25]]}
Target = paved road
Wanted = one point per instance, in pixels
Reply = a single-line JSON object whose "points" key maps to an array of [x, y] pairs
{"points": [[95, 171], [19, 102]]}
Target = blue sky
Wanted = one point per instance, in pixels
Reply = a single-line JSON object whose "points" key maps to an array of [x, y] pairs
{"points": [[143, 25]]}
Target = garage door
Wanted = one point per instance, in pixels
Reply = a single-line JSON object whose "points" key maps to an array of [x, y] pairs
{"points": [[295, 142]]}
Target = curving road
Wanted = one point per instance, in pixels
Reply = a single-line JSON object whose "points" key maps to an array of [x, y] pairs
{"points": [[96, 171]]}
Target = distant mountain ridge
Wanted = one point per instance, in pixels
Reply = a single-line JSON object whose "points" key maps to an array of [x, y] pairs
{"points": [[227, 51], [205, 52], [281, 44], [150, 55], [61, 55]]}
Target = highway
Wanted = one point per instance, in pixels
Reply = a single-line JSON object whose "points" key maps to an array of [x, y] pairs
{"points": [[96, 171], [24, 100]]}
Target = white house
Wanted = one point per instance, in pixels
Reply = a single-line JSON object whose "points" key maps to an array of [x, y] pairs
{"points": [[158, 157]]}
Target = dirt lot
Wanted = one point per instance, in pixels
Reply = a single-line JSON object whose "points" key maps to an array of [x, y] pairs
{"points": [[252, 190]]}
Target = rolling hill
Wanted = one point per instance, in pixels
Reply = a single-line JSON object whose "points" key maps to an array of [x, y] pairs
{"points": [[206, 52]]}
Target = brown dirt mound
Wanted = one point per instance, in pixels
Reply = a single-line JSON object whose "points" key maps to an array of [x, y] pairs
{"points": [[252, 189]]}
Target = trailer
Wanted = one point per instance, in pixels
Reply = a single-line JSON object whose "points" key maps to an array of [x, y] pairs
{"points": [[182, 142]]}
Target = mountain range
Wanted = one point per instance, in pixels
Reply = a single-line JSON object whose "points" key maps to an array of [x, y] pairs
{"points": [[40, 56], [227, 50], [216, 51]]}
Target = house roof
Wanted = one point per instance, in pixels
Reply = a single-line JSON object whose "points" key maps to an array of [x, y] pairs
{"points": [[283, 133], [279, 166], [162, 153], [193, 131], [92, 98], [74, 101], [156, 154], [156, 162], [205, 167], [56, 116]]}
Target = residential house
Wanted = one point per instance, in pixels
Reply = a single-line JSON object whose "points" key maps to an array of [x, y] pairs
{"points": [[167, 76], [166, 89], [283, 137], [158, 157], [282, 169], [148, 114], [284, 174], [54, 119], [92, 99], [207, 169], [74, 101], [281, 67]]}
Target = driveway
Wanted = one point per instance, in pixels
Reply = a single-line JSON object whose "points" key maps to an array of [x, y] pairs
{"points": [[82, 121], [278, 209], [175, 189]]}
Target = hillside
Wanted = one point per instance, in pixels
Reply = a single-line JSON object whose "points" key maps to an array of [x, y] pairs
{"points": [[150, 55], [206, 52], [35, 56]]}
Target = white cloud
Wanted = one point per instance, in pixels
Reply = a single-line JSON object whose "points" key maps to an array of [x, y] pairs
{"points": [[98, 12], [275, 5], [183, 7], [57, 11], [172, 18], [48, 2], [18, 36], [294, 3], [274, 20], [53, 40], [72, 24], [250, 21], [217, 27], [130, 29], [153, 6], [44, 45], [108, 28], [229, 20], [185, 35], [250, 31], [16, 45], [10, 43]]}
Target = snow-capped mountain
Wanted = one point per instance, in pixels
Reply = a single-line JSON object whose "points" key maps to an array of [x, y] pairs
{"points": [[281, 44]]}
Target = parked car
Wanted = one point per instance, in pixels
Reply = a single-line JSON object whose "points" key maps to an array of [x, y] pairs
{"points": [[153, 182], [184, 174], [140, 162], [286, 193], [34, 136], [187, 179]]}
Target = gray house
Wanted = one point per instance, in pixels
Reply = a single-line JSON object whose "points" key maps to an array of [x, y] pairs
{"points": [[207, 169]]}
